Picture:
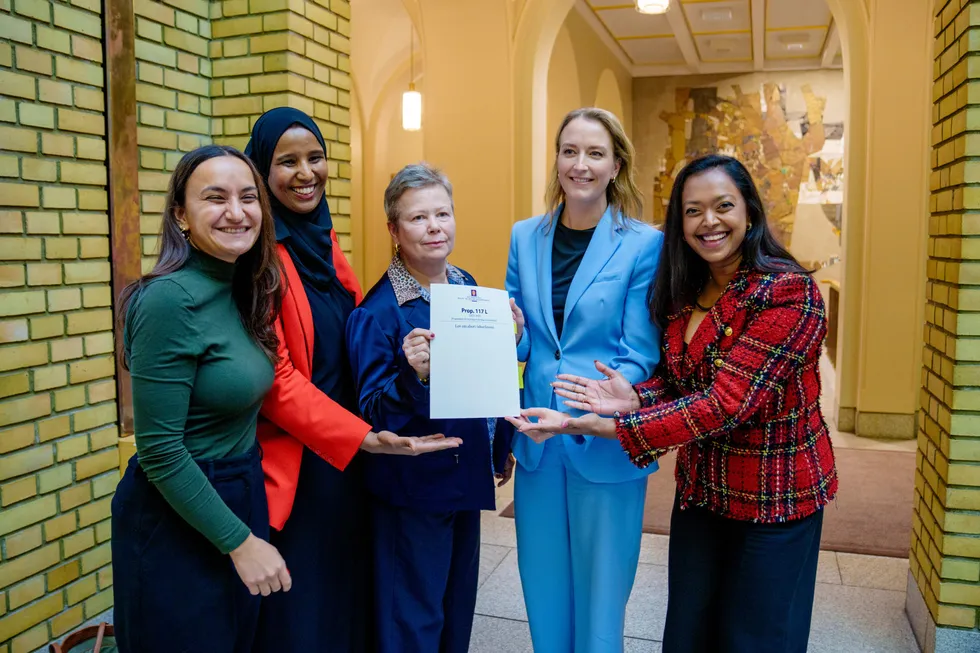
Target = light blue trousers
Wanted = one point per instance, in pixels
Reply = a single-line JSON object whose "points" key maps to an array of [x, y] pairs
{"points": [[578, 544]]}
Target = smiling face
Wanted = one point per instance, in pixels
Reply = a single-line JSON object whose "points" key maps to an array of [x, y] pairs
{"points": [[426, 228], [586, 162], [222, 210], [715, 217], [298, 174]]}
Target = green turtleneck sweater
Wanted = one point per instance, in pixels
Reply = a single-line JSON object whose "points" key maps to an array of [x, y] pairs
{"points": [[198, 382]]}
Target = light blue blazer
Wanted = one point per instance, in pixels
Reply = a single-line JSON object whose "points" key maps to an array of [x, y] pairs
{"points": [[606, 318]]}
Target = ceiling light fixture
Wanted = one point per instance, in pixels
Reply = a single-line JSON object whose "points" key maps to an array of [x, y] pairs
{"points": [[412, 99], [652, 6]]}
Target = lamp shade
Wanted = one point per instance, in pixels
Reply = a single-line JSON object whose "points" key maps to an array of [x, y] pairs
{"points": [[652, 6], [412, 110]]}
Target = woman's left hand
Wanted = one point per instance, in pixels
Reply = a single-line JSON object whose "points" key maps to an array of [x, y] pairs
{"points": [[552, 422], [548, 424], [591, 424], [416, 348], [518, 316], [504, 475]]}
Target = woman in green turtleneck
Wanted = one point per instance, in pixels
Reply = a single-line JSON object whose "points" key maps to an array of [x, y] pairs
{"points": [[190, 522]]}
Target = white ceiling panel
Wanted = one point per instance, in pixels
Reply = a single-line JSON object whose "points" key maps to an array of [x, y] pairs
{"points": [[707, 17], [794, 44], [628, 22], [653, 51], [724, 47], [717, 36], [796, 13]]}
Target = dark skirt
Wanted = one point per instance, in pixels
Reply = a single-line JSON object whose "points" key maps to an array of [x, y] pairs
{"points": [[326, 546], [174, 591]]}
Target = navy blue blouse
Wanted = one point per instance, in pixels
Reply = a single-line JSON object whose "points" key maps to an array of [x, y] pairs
{"points": [[391, 397]]}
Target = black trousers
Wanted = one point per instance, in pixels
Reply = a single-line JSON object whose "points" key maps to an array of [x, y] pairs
{"points": [[740, 587], [174, 591], [327, 548], [426, 569]]}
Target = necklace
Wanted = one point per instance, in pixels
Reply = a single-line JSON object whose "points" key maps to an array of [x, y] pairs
{"points": [[697, 302]]}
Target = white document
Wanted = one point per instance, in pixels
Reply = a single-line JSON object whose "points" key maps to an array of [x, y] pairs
{"points": [[473, 370]]}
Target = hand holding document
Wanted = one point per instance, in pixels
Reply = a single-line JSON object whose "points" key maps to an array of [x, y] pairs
{"points": [[473, 371]]}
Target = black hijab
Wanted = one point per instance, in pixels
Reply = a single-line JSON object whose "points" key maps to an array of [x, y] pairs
{"points": [[305, 235]]}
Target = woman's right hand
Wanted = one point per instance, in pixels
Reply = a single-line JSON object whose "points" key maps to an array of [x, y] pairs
{"points": [[260, 567], [416, 348], [390, 443], [601, 396]]}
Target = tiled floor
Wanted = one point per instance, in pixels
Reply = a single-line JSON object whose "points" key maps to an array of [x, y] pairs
{"points": [[859, 605]]}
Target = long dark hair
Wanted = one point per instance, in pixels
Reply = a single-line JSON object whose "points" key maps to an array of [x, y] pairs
{"points": [[257, 284], [682, 273]]}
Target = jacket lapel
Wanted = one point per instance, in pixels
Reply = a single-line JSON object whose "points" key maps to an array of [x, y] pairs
{"points": [[416, 313], [605, 242], [544, 241], [301, 304], [704, 345]]}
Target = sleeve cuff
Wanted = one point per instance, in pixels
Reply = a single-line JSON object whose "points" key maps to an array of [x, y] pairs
{"points": [[410, 381]]}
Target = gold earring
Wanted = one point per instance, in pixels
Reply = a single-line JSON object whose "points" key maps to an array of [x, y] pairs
{"points": [[186, 233], [398, 249]]}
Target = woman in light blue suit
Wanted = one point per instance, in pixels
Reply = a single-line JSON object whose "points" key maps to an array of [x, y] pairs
{"points": [[581, 273]]}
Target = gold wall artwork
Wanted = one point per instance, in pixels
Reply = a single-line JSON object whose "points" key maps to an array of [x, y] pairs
{"points": [[793, 158]]}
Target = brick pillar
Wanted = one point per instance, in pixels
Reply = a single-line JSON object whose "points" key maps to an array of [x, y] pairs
{"points": [[172, 96], [944, 584], [272, 53], [58, 414]]}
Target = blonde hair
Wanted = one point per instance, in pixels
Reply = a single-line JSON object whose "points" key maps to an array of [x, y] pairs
{"points": [[622, 193]]}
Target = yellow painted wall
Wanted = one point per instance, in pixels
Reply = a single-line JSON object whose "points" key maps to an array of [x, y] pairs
{"points": [[467, 126], [582, 72]]}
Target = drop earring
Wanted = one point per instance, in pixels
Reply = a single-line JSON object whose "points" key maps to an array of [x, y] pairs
{"points": [[186, 233]]}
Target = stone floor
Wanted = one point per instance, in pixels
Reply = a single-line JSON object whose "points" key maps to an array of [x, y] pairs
{"points": [[859, 605]]}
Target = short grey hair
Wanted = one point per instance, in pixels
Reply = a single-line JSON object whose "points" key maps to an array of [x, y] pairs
{"points": [[415, 175]]}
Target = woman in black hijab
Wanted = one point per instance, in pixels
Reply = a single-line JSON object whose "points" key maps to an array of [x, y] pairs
{"points": [[310, 434]]}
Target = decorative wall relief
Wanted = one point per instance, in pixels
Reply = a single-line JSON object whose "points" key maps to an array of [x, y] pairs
{"points": [[793, 157]]}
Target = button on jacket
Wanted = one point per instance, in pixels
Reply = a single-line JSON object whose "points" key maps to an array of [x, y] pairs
{"points": [[741, 400]]}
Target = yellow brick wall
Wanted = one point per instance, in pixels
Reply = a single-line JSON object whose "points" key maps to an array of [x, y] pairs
{"points": [[203, 71], [270, 53], [173, 104], [57, 393], [945, 557]]}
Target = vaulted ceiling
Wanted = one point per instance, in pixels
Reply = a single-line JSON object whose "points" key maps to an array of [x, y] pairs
{"points": [[718, 36]]}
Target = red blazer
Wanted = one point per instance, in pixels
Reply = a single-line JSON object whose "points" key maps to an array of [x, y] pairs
{"points": [[295, 414], [742, 402]]}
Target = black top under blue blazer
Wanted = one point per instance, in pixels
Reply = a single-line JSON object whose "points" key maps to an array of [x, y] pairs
{"points": [[391, 397]]}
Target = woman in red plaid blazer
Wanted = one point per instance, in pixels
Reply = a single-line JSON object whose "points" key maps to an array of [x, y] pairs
{"points": [[737, 391]]}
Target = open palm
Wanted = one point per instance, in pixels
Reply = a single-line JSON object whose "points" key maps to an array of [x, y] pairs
{"points": [[606, 396]]}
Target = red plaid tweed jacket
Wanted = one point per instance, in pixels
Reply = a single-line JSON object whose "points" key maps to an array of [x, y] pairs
{"points": [[742, 403]]}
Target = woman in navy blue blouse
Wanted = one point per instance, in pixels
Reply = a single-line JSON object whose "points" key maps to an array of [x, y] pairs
{"points": [[427, 513]]}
